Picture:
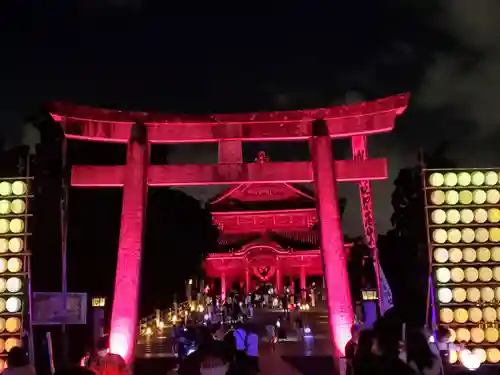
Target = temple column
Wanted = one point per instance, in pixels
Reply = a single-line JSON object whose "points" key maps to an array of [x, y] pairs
{"points": [[223, 287], [332, 242], [124, 320], [303, 284], [247, 281], [279, 282]]}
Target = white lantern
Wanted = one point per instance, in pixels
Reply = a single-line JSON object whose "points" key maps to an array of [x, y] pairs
{"points": [[450, 179], [436, 179], [14, 284], [477, 178], [19, 188], [13, 304], [490, 178], [464, 179], [18, 206], [16, 226], [16, 245], [5, 188], [14, 265]]}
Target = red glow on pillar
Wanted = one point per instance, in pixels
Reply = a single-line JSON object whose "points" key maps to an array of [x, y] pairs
{"points": [[341, 316], [124, 320]]}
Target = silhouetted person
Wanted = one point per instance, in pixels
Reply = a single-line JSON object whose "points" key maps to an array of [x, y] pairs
{"points": [[74, 368], [350, 348], [362, 364], [18, 362]]}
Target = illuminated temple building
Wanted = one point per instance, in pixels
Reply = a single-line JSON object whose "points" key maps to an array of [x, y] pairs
{"points": [[268, 234]]}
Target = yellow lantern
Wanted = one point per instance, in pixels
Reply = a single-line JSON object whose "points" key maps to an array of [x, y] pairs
{"points": [[5, 188], [19, 188]]}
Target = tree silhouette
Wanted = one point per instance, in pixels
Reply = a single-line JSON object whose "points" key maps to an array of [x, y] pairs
{"points": [[403, 250]]}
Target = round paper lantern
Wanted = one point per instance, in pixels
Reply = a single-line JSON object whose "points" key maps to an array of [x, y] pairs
{"points": [[482, 235], [465, 197], [469, 254], [496, 273], [466, 216], [477, 335], [480, 215], [487, 294], [493, 215], [446, 315], [441, 255], [452, 216], [475, 315], [477, 178], [438, 197], [2, 345], [18, 206], [3, 285], [453, 334], [455, 255], [461, 316], [16, 225], [479, 196], [5, 188], [479, 353], [464, 179], [13, 304], [13, 324], [491, 334], [438, 216], [3, 305], [14, 284], [4, 207], [494, 234], [4, 226], [16, 245], [489, 314], [495, 254], [453, 356], [463, 334], [439, 235], [19, 188], [485, 274], [450, 179], [457, 275], [3, 265], [492, 196], [497, 293], [493, 355], [14, 265], [473, 294], [483, 254], [471, 274], [443, 275], [2, 324], [451, 197], [445, 295], [459, 295], [454, 235], [436, 179], [11, 342], [490, 178], [467, 235], [4, 245]]}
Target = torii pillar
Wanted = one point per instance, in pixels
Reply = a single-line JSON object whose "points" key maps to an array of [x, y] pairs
{"points": [[128, 269]]}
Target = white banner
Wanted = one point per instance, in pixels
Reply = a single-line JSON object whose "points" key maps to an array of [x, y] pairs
{"points": [[386, 297]]}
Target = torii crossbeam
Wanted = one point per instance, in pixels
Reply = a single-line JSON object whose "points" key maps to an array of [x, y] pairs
{"points": [[140, 130]]}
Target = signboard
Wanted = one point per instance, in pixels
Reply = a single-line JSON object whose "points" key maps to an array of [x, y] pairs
{"points": [[48, 308]]}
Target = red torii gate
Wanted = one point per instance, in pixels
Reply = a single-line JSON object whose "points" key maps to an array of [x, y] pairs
{"points": [[139, 130]]}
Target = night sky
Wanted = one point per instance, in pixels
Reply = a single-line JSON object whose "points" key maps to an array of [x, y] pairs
{"points": [[204, 57]]}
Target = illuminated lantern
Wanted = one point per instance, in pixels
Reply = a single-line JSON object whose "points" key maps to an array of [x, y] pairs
{"points": [[455, 255], [19, 188], [475, 316], [495, 254], [440, 235], [450, 179], [467, 235], [438, 216], [3, 285], [492, 196], [493, 355], [477, 178], [3, 265], [479, 196], [463, 334], [14, 284], [438, 197], [473, 294], [465, 197], [483, 254], [494, 234], [446, 315], [477, 335], [452, 216], [493, 215], [18, 206], [460, 315], [436, 179], [4, 226], [459, 295], [13, 324], [453, 356], [482, 235], [464, 179], [497, 294], [5, 188], [454, 235], [445, 295], [4, 245], [4, 207], [480, 215], [16, 225], [457, 275], [441, 255], [466, 216], [16, 245], [12, 342], [487, 294], [13, 304], [469, 254], [451, 197], [443, 275], [490, 178], [491, 335], [14, 265], [496, 273], [480, 353], [471, 274], [489, 314], [485, 274]]}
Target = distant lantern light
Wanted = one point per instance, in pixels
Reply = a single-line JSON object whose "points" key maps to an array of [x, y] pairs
{"points": [[441, 255], [466, 216], [457, 275], [480, 215], [4, 226], [482, 235], [19, 188], [477, 178], [436, 179], [490, 178], [487, 294], [13, 324], [446, 315], [465, 197], [483, 254], [471, 274], [491, 335], [463, 334], [485, 274], [438, 197], [16, 245], [473, 294], [5, 188], [460, 315], [454, 235], [14, 265], [452, 216], [464, 179], [492, 196], [3, 285], [479, 196], [494, 234], [467, 235], [489, 314], [493, 355], [445, 295], [493, 215], [4, 245], [5, 207], [475, 316], [16, 225], [14, 284], [18, 206], [438, 216], [439, 235], [443, 275], [450, 179], [469, 254], [451, 197], [13, 304], [459, 295]]}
